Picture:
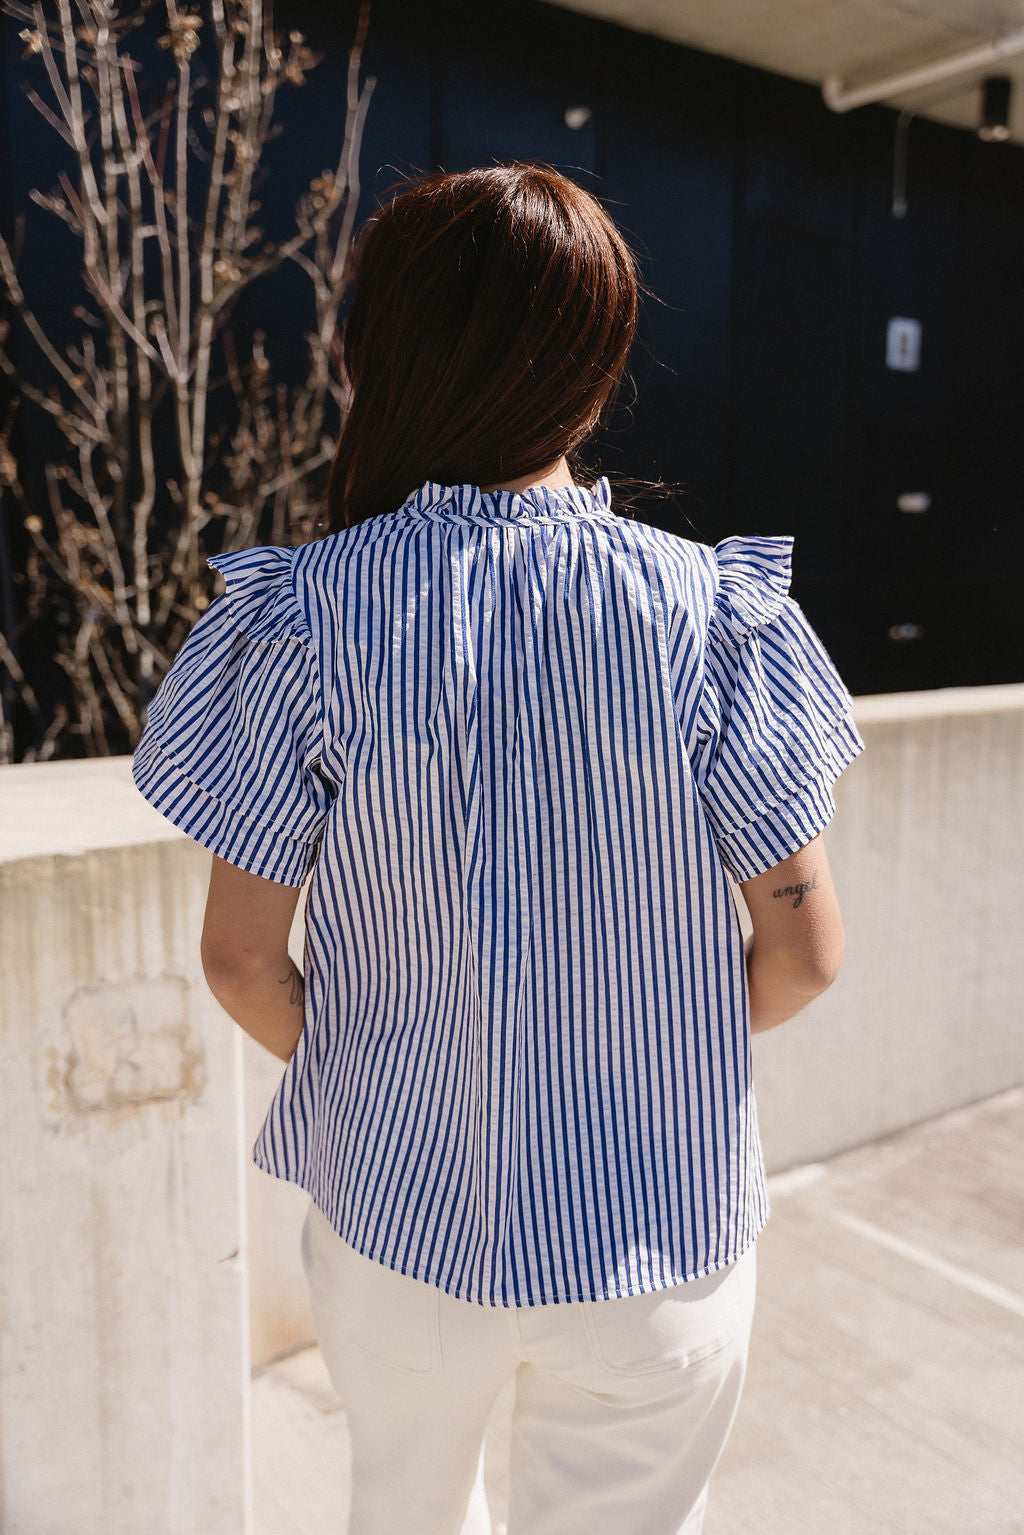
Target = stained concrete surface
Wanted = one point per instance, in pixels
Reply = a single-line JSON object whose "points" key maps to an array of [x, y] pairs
{"points": [[885, 1391]]}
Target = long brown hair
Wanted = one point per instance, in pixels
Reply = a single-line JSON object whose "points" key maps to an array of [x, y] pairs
{"points": [[491, 320]]}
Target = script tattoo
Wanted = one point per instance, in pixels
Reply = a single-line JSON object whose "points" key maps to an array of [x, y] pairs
{"points": [[294, 980], [797, 891]]}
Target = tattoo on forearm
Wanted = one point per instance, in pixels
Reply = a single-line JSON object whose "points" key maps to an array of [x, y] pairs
{"points": [[798, 891], [294, 980]]}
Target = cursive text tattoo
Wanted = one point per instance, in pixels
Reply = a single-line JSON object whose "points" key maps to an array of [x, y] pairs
{"points": [[294, 980], [797, 891]]}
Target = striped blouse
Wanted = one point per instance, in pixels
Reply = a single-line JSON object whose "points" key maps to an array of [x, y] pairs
{"points": [[517, 741]]}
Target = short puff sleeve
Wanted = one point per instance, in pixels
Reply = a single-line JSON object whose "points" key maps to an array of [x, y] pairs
{"points": [[775, 726], [231, 751]]}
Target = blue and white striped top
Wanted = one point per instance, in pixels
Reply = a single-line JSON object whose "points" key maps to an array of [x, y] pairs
{"points": [[517, 740]]}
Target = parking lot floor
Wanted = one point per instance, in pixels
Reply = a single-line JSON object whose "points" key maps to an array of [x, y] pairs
{"points": [[885, 1386]]}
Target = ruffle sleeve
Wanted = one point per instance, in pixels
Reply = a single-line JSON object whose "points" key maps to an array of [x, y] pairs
{"points": [[232, 747], [775, 724]]}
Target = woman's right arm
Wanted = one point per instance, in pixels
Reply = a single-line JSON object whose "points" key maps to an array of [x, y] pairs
{"points": [[796, 949]]}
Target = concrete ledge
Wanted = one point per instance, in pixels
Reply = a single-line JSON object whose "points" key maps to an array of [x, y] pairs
{"points": [[938, 703], [75, 807]]}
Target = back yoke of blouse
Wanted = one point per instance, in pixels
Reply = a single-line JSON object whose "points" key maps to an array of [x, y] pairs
{"points": [[517, 741]]}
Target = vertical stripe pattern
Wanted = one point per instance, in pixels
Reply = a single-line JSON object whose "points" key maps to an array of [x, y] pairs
{"points": [[517, 741]]}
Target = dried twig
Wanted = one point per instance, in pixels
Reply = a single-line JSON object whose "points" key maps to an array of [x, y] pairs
{"points": [[116, 554]]}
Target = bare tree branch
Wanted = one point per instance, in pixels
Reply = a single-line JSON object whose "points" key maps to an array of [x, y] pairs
{"points": [[115, 557]]}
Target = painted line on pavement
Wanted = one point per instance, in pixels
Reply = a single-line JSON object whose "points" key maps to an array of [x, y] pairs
{"points": [[999, 1296]]}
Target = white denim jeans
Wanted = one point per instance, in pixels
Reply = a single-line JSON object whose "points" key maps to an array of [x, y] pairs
{"points": [[621, 1408]]}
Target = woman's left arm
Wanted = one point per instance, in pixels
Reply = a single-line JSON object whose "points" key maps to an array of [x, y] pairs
{"points": [[245, 955]]}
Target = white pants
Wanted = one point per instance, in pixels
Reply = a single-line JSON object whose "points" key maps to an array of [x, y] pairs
{"points": [[621, 1407]]}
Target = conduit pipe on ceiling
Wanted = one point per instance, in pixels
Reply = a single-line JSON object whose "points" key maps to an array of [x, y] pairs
{"points": [[841, 100]]}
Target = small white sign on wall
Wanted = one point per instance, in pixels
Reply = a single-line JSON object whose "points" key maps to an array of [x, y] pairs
{"points": [[903, 345]]}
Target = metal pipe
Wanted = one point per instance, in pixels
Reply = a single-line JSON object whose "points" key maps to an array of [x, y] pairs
{"points": [[841, 100]]}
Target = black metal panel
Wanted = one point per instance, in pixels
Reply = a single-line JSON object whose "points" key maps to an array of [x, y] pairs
{"points": [[985, 538], [764, 228], [492, 108]]}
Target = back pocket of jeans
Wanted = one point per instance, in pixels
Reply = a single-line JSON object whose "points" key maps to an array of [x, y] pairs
{"points": [[664, 1330], [367, 1306]]}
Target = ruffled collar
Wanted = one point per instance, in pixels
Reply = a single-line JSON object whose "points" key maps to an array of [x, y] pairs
{"points": [[540, 503]]}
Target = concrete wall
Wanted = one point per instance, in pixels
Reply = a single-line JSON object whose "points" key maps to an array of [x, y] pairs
{"points": [[132, 1101], [927, 853], [281, 1318], [124, 1367]]}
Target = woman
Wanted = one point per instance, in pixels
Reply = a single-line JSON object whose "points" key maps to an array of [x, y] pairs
{"points": [[517, 740]]}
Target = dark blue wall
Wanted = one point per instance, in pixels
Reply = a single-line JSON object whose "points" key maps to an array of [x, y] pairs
{"points": [[764, 228]]}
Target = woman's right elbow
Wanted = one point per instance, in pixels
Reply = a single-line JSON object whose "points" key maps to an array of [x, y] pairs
{"points": [[811, 968], [827, 972], [824, 963]]}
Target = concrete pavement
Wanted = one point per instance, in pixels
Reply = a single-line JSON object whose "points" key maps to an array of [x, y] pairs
{"points": [[885, 1394]]}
